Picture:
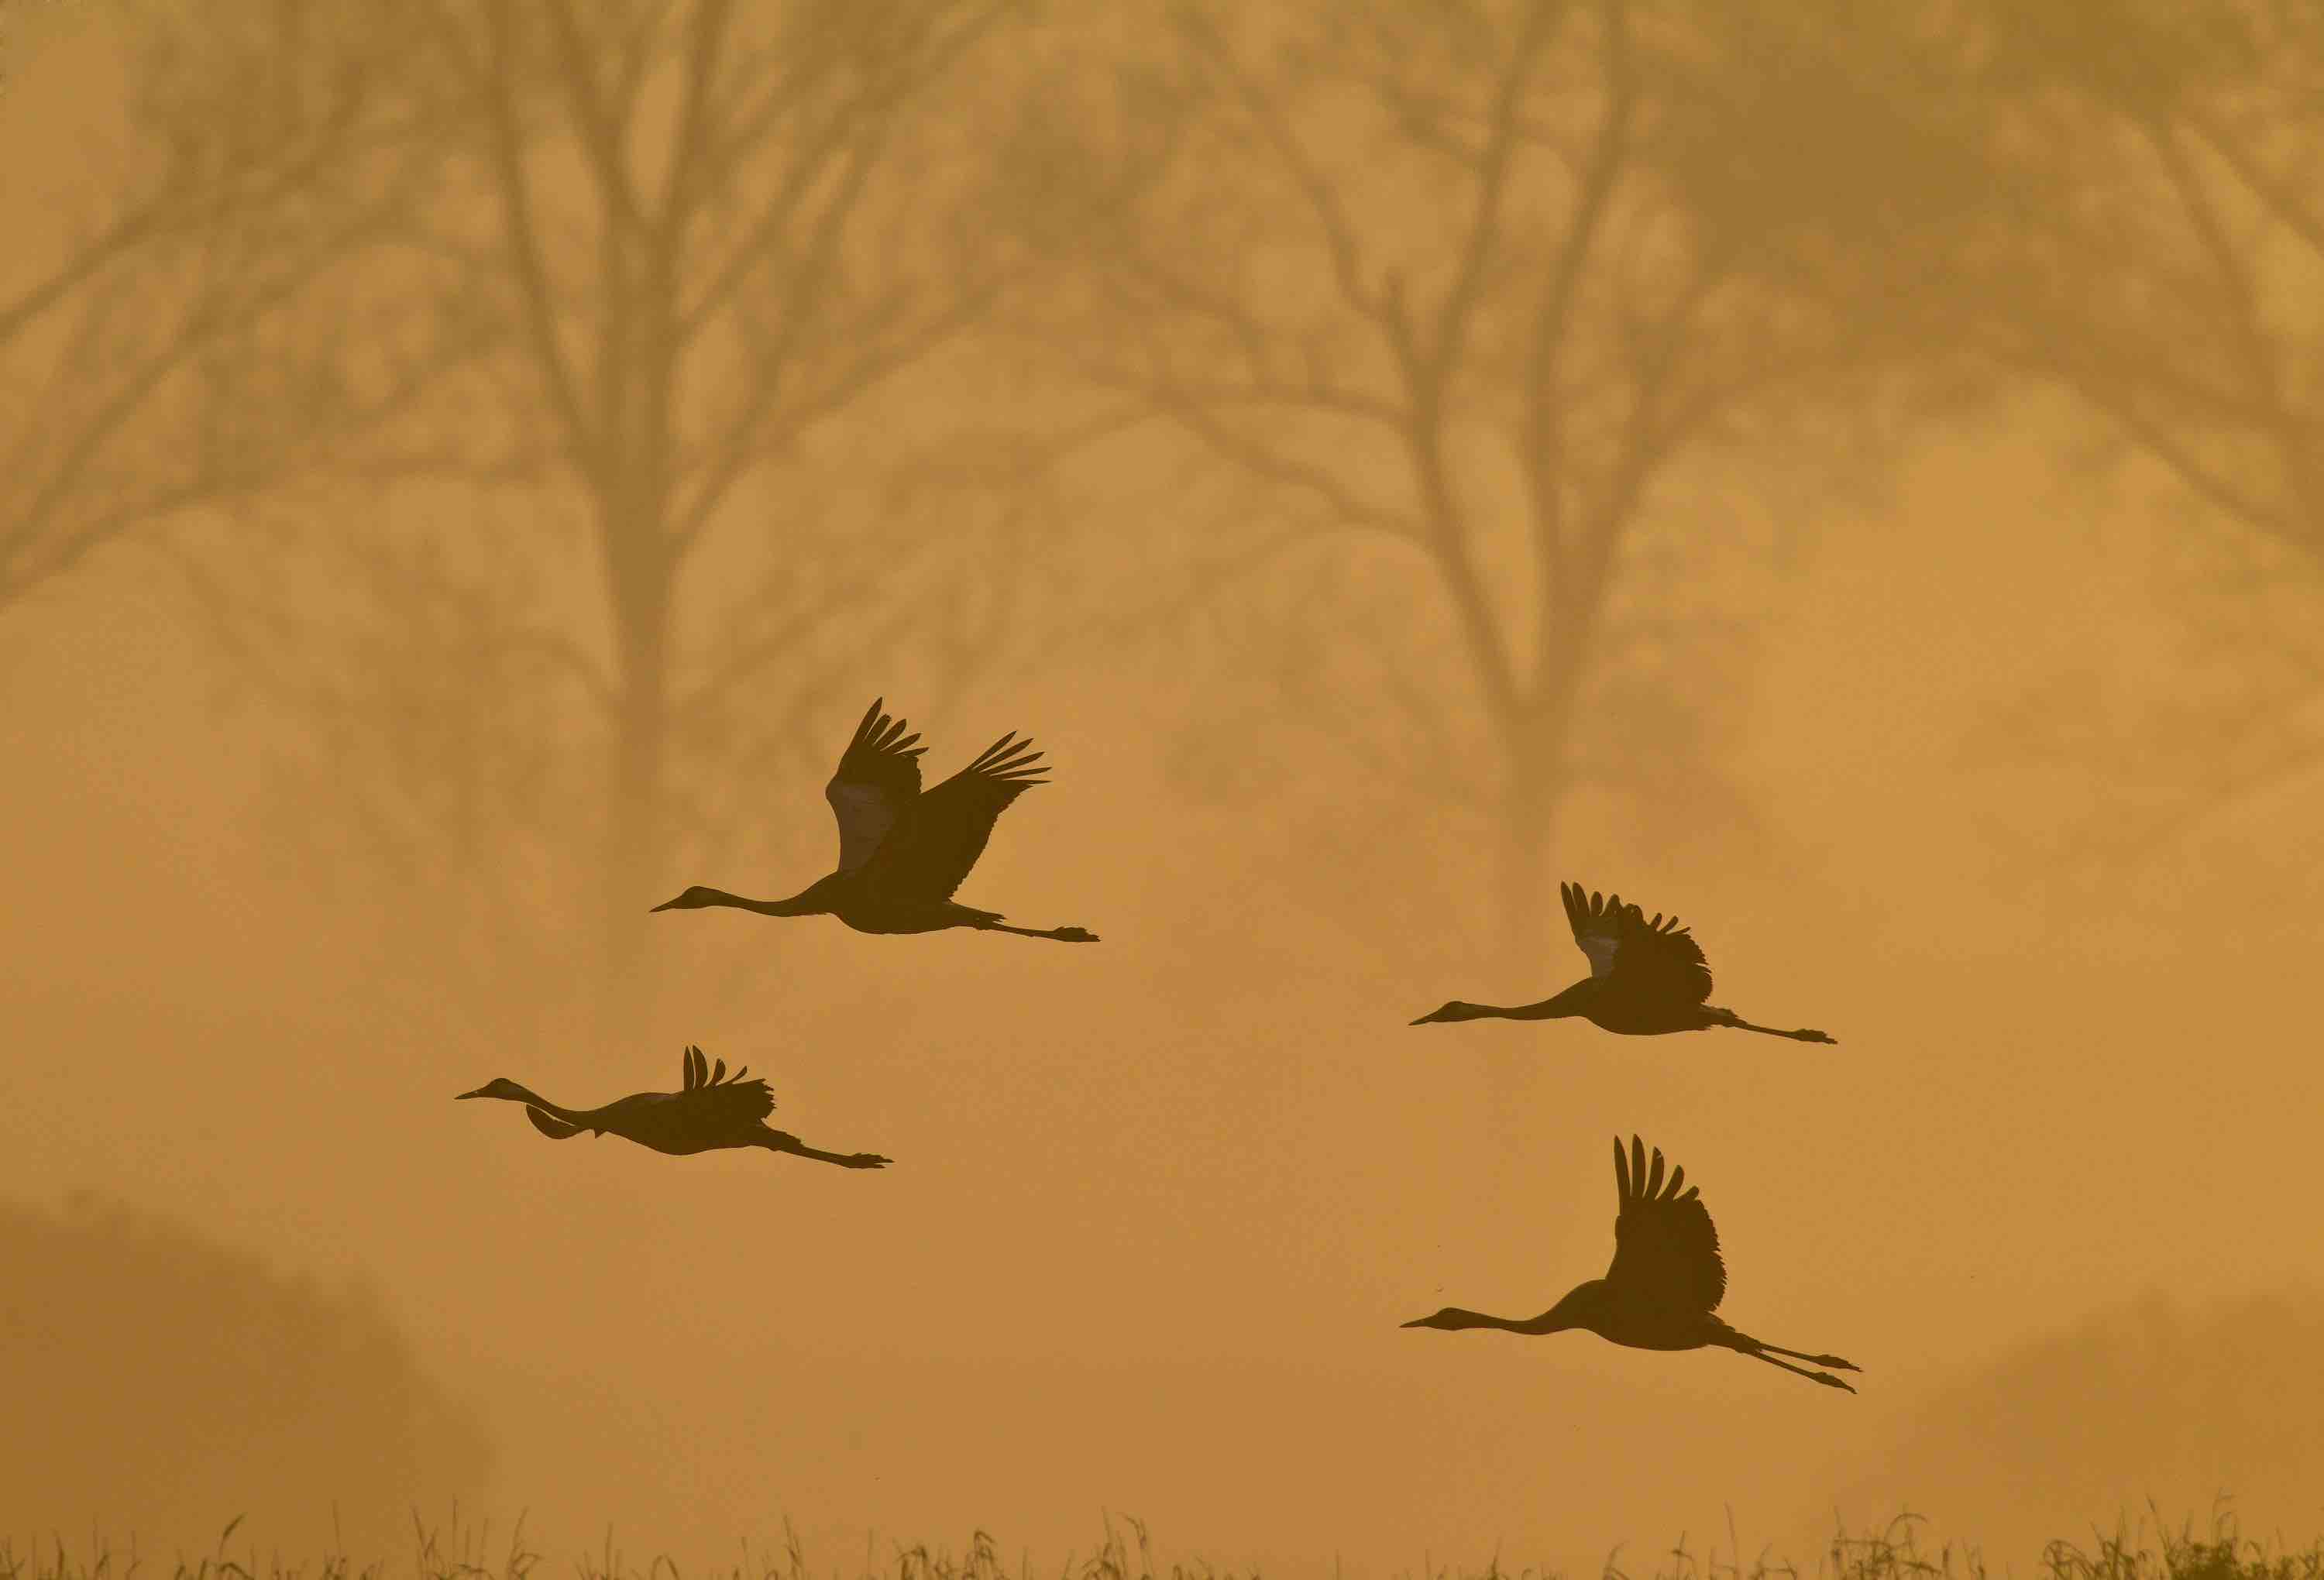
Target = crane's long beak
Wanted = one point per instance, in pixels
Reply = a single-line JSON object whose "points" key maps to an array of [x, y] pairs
{"points": [[665, 905], [465, 1096]]}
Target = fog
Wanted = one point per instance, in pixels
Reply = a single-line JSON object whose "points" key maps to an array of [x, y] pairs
{"points": [[1158, 1206]]}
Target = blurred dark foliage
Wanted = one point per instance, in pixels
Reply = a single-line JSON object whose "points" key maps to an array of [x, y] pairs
{"points": [[194, 1384]]}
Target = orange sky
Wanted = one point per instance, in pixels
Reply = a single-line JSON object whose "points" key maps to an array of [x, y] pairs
{"points": [[1159, 1206]]}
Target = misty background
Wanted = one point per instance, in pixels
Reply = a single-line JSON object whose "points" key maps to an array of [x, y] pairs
{"points": [[1852, 480]]}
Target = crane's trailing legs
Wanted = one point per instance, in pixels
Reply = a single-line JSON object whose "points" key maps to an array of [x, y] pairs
{"points": [[1062, 934], [1743, 1343], [956, 914], [783, 1141], [1739, 1023]]}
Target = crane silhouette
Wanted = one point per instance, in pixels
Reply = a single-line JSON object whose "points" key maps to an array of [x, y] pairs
{"points": [[903, 851], [712, 1110], [1666, 1280], [1646, 978]]}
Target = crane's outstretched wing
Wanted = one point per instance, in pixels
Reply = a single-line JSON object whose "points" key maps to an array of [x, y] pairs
{"points": [[879, 776], [1658, 956], [1666, 1249], [739, 1101], [940, 835]]}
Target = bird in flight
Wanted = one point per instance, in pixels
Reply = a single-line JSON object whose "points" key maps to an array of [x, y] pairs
{"points": [[1666, 1280], [712, 1110], [1646, 978], [903, 851]]}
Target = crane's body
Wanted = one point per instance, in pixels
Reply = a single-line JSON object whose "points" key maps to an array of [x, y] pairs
{"points": [[1666, 1281], [903, 851], [1646, 978], [711, 1112], [659, 1120]]}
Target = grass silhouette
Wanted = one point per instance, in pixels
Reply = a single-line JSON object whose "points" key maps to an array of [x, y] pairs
{"points": [[2150, 1550]]}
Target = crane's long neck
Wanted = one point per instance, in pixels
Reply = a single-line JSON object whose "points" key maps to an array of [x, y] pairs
{"points": [[1570, 1002], [805, 903], [585, 1118], [1541, 1324]]}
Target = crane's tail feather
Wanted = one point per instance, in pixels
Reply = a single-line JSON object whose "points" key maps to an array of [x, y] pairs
{"points": [[555, 1129]]}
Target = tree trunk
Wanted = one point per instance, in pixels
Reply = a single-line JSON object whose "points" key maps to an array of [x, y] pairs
{"points": [[636, 373], [1529, 814], [1528, 819], [633, 858]]}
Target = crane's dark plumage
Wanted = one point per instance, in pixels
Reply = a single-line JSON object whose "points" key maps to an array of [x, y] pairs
{"points": [[1646, 978], [1664, 1240], [710, 1111], [903, 851], [1666, 1280]]}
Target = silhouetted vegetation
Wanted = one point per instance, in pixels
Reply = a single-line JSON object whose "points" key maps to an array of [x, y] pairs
{"points": [[2147, 1549], [141, 1356], [2122, 1396]]}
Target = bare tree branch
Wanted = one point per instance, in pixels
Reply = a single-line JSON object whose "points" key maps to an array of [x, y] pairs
{"points": [[1325, 205], [1477, 204], [514, 186]]}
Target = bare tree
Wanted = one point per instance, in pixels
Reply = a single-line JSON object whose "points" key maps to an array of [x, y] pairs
{"points": [[682, 244], [2174, 287], [2158, 256], [257, 164], [1423, 280]]}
